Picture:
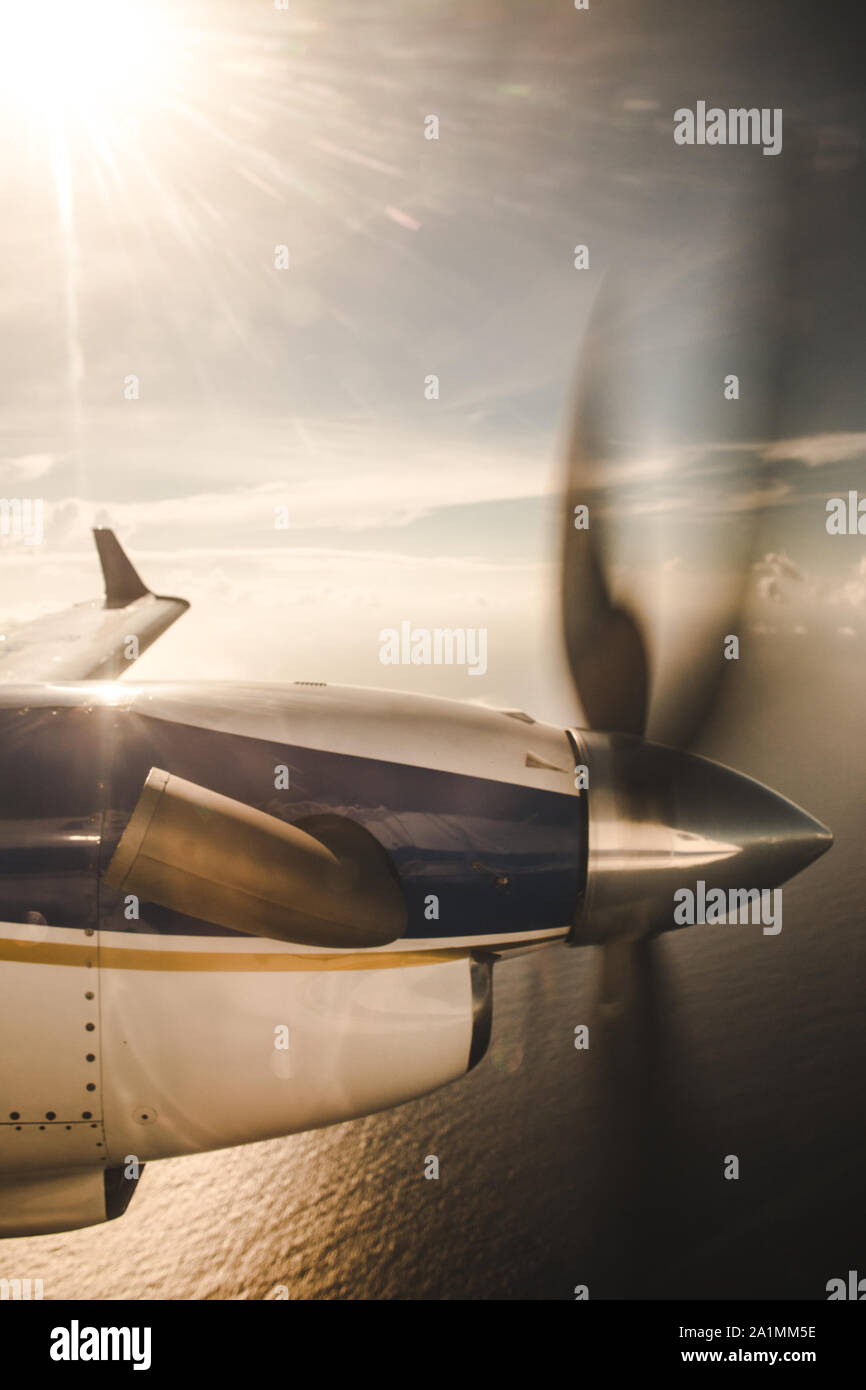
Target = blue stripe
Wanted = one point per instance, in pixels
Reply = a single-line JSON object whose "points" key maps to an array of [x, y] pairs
{"points": [[498, 857]]}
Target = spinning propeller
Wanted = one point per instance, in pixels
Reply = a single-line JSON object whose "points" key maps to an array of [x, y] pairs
{"points": [[660, 459]]}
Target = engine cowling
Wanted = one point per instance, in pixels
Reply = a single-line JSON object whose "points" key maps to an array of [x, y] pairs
{"points": [[34, 1204], [209, 1055]]}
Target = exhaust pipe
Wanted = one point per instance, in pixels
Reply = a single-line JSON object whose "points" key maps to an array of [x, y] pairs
{"points": [[206, 855]]}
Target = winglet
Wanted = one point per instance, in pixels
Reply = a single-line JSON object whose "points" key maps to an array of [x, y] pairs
{"points": [[122, 583]]}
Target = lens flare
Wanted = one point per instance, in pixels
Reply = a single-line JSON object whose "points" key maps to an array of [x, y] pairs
{"points": [[94, 59]]}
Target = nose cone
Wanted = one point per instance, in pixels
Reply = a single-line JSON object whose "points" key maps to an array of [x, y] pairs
{"points": [[660, 820], [779, 838], [744, 833]]}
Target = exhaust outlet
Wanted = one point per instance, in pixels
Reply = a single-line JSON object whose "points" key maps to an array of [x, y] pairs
{"points": [[206, 855]]}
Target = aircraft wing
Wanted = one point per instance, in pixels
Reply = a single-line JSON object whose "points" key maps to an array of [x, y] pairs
{"points": [[91, 641]]}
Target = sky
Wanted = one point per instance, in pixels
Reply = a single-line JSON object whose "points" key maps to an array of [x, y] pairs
{"points": [[160, 157]]}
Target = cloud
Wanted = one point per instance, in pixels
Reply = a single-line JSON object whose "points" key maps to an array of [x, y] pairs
{"points": [[768, 588], [782, 565], [336, 486], [691, 472], [28, 466], [776, 573], [852, 591], [817, 449], [753, 501], [772, 569]]}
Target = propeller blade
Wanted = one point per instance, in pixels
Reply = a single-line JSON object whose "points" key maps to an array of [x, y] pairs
{"points": [[605, 647], [627, 1048], [680, 391]]}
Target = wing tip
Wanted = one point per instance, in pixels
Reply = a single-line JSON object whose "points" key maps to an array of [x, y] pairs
{"points": [[123, 583]]}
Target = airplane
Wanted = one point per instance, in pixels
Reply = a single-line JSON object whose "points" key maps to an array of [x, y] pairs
{"points": [[233, 911], [236, 911]]}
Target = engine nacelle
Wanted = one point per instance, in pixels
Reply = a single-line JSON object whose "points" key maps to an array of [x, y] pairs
{"points": [[201, 1047], [34, 1204], [220, 912], [214, 1049]]}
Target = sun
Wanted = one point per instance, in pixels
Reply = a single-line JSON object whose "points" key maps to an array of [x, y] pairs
{"points": [[91, 59], [79, 80]]}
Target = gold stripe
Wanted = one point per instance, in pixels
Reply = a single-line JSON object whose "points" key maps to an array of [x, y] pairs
{"points": [[122, 958]]}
